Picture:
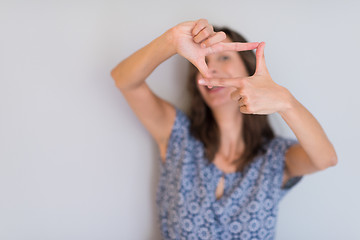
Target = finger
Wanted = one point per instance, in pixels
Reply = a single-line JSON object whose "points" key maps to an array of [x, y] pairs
{"points": [[260, 59], [203, 68], [241, 104], [216, 38], [222, 82], [234, 46], [235, 96], [199, 25], [244, 109], [204, 34]]}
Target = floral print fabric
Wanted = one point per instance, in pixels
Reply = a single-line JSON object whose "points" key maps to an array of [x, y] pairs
{"points": [[188, 208]]}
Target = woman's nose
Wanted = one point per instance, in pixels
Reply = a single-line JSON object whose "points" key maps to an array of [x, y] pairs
{"points": [[212, 67], [212, 70]]}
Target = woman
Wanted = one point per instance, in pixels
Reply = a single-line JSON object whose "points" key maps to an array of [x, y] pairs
{"points": [[223, 172]]}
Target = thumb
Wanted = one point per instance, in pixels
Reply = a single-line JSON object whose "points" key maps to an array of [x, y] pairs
{"points": [[260, 59], [203, 68]]}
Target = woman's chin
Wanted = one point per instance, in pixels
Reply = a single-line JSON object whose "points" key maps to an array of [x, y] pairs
{"points": [[221, 103]]}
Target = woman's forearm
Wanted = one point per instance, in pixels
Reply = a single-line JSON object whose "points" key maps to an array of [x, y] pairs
{"points": [[133, 71], [310, 134]]}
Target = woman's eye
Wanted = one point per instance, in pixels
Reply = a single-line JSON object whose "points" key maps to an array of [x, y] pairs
{"points": [[224, 58]]}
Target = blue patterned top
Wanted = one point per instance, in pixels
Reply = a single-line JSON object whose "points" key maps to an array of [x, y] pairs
{"points": [[248, 208]]}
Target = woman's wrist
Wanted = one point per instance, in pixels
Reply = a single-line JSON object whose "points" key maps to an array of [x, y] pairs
{"points": [[289, 102], [168, 42]]}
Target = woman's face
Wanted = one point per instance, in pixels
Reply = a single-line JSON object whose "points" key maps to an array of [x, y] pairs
{"points": [[222, 65]]}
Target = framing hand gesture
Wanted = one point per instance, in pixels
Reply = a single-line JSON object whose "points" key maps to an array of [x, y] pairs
{"points": [[196, 39], [257, 94]]}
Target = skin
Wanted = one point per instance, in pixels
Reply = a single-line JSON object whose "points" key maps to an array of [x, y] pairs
{"points": [[257, 94], [226, 111]]}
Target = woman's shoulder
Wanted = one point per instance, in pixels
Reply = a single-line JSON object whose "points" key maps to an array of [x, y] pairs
{"points": [[181, 119], [181, 126], [275, 150], [182, 143], [278, 142]]}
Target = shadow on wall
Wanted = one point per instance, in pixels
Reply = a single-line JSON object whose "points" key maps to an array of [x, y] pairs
{"points": [[155, 175]]}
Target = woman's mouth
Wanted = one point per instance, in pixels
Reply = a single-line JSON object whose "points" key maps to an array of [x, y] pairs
{"points": [[213, 89]]}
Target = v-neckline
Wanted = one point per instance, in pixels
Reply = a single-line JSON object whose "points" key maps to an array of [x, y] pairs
{"points": [[225, 174], [228, 179]]}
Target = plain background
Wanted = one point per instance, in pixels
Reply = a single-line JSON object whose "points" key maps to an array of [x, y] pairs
{"points": [[75, 163]]}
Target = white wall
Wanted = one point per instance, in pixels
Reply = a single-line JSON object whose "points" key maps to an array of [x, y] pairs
{"points": [[75, 163]]}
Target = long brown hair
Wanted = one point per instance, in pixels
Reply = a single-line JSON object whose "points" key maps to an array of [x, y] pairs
{"points": [[256, 128]]}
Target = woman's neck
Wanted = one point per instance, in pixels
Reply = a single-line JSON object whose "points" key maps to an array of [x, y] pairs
{"points": [[230, 129]]}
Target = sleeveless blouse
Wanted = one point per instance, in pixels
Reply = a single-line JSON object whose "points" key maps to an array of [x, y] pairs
{"points": [[187, 205]]}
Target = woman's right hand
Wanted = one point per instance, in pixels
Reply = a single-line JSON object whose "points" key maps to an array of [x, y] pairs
{"points": [[196, 39]]}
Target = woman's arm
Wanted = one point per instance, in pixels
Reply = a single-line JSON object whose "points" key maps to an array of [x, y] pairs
{"points": [[192, 40], [259, 94], [315, 151], [129, 75], [132, 72]]}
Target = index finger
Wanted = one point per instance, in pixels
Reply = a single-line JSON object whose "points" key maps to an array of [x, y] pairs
{"points": [[221, 82], [233, 46]]}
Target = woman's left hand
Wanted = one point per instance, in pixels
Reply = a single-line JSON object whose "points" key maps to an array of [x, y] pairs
{"points": [[257, 94]]}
